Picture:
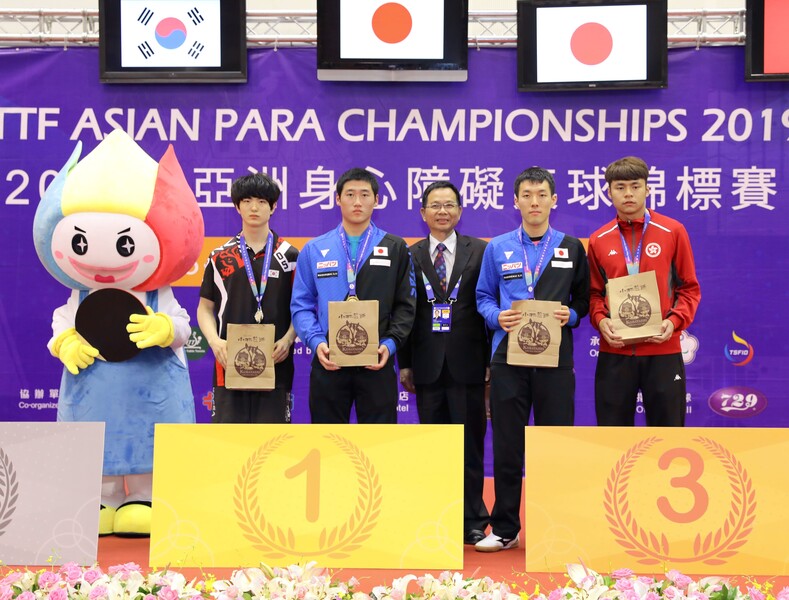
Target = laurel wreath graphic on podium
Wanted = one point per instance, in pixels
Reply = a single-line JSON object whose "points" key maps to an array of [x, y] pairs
{"points": [[337, 541], [647, 547], [9, 491]]}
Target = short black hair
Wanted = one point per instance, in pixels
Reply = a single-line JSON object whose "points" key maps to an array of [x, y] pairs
{"points": [[357, 174], [438, 185], [535, 175], [255, 185]]}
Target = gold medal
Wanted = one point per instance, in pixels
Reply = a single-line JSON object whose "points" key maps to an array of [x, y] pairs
{"points": [[259, 316], [352, 298]]}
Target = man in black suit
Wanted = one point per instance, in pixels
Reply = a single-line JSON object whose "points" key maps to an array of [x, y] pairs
{"points": [[446, 356]]}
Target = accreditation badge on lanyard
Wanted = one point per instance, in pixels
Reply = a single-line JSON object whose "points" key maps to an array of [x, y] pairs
{"points": [[442, 313], [634, 263]]}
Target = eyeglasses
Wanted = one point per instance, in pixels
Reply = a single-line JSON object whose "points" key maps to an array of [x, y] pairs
{"points": [[449, 206]]}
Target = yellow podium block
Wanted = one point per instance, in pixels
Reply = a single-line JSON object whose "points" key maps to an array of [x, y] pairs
{"points": [[367, 496], [699, 500]]}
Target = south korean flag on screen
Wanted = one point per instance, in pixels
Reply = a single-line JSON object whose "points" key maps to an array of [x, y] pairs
{"points": [[592, 43], [378, 29], [170, 33]]}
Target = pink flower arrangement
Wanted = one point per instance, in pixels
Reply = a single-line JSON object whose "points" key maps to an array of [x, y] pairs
{"points": [[310, 582]]}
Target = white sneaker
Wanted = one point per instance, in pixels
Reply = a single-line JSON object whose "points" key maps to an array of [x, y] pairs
{"points": [[494, 543]]}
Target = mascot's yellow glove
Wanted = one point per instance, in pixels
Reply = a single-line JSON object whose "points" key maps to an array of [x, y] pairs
{"points": [[152, 329], [74, 352]]}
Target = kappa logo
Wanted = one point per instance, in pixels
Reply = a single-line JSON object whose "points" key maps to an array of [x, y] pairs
{"points": [[324, 252], [653, 250], [507, 254], [613, 252]]}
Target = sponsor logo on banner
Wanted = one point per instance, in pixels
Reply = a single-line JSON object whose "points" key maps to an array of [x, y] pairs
{"points": [[737, 402], [561, 253], [196, 346], [207, 400], [405, 29], [741, 354], [170, 33], [511, 266], [652, 250], [591, 43], [690, 345], [327, 264]]}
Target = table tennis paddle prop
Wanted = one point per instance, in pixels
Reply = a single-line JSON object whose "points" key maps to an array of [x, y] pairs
{"points": [[102, 318]]}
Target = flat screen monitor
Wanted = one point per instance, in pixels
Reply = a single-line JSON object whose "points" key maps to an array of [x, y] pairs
{"points": [[407, 40], [592, 44], [175, 41], [766, 44]]}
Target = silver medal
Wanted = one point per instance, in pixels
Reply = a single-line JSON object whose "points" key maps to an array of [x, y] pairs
{"points": [[259, 316]]}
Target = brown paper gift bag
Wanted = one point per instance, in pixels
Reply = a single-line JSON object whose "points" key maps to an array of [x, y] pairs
{"points": [[634, 302], [535, 341], [249, 362], [353, 333]]}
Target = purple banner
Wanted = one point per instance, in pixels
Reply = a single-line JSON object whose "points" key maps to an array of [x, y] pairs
{"points": [[717, 146]]}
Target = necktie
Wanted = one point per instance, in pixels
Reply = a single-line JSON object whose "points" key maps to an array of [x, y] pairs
{"points": [[441, 266]]}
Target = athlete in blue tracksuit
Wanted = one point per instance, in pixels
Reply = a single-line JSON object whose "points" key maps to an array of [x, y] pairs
{"points": [[355, 259], [532, 262]]}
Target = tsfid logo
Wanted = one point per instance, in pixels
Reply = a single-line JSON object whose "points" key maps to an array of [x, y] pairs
{"points": [[739, 357]]}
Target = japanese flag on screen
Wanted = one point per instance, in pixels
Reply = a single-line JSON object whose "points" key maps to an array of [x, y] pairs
{"points": [[379, 29], [170, 33], [591, 43]]}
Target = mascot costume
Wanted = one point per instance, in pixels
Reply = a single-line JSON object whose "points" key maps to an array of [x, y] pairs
{"points": [[118, 228]]}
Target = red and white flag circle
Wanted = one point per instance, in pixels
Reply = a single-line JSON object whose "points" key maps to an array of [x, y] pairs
{"points": [[591, 43], [398, 29]]}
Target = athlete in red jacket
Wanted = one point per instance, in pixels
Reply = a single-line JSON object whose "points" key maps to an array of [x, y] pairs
{"points": [[654, 243]]}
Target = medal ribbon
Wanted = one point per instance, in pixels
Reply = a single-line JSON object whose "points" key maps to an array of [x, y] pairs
{"points": [[431, 295], [352, 268], [532, 278], [257, 292], [633, 264]]}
